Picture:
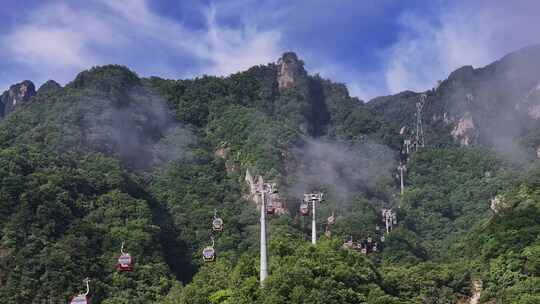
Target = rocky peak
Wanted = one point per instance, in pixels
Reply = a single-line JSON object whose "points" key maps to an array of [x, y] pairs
{"points": [[17, 94], [463, 74], [49, 86], [289, 68]]}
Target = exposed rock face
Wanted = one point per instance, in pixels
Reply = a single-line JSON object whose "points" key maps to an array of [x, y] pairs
{"points": [[464, 130], [498, 204], [255, 183], [289, 68], [532, 102], [477, 288], [224, 153], [17, 94], [497, 105], [48, 87]]}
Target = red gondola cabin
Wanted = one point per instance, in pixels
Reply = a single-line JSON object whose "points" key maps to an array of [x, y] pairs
{"points": [[80, 299], [270, 209], [304, 209], [125, 263]]}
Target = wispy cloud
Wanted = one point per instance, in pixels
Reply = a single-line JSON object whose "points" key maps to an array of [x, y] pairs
{"points": [[430, 47], [231, 50], [58, 40], [376, 48]]}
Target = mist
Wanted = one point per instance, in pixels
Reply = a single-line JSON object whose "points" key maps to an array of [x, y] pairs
{"points": [[338, 168], [140, 129], [501, 100]]}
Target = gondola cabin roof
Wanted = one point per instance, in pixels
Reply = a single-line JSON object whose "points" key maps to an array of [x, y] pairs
{"points": [[80, 299]]}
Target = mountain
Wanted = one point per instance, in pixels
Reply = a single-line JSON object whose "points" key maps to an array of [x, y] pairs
{"points": [[112, 159], [494, 106], [17, 94]]}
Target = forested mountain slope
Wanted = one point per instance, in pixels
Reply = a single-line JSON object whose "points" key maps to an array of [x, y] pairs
{"points": [[112, 157]]}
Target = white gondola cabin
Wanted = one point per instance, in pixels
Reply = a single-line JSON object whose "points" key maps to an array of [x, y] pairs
{"points": [[209, 253], [217, 224]]}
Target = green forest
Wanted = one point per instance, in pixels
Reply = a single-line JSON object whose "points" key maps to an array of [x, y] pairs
{"points": [[114, 158]]}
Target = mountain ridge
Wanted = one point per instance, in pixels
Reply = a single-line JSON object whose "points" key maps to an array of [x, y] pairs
{"points": [[112, 159]]}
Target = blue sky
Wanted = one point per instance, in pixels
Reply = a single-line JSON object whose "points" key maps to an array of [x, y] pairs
{"points": [[376, 47]]}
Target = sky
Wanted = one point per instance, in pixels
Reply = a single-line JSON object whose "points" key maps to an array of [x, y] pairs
{"points": [[375, 47]]}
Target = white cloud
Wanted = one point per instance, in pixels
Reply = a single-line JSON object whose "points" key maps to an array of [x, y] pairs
{"points": [[471, 34], [232, 50], [59, 40]]}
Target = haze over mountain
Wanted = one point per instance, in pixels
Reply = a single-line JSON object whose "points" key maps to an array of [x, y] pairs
{"points": [[111, 157], [391, 149]]}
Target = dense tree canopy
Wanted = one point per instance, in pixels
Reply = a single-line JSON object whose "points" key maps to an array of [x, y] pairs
{"points": [[113, 158]]}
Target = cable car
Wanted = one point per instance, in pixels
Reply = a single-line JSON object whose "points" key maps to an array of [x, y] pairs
{"points": [[304, 209], [360, 246], [328, 233], [270, 209], [80, 299], [403, 156], [217, 222], [83, 297], [209, 253], [331, 219], [125, 261], [349, 243]]}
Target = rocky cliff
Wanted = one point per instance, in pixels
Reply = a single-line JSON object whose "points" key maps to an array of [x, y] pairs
{"points": [[497, 105], [17, 94], [289, 69]]}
